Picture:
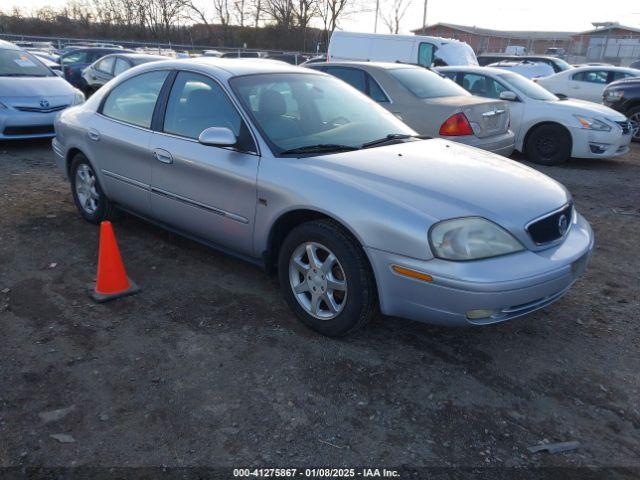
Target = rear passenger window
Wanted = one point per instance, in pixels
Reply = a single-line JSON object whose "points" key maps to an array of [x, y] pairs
{"points": [[105, 65], [621, 75], [375, 92], [134, 100], [592, 77], [121, 66], [352, 76]]}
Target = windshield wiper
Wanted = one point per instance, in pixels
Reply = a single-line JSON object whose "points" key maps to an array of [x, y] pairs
{"points": [[320, 148], [391, 137]]}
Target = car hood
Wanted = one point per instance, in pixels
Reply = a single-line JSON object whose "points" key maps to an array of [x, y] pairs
{"points": [[582, 107], [438, 179], [34, 87]]}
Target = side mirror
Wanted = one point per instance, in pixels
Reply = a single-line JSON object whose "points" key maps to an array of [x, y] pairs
{"points": [[508, 96], [218, 137]]}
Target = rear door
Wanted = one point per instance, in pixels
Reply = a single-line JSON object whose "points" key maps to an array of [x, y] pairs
{"points": [[588, 85], [119, 136], [208, 192]]}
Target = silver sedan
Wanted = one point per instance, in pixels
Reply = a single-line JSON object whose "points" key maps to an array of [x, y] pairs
{"points": [[297, 171]]}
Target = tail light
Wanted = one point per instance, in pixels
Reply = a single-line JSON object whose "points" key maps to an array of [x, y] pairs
{"points": [[456, 126]]}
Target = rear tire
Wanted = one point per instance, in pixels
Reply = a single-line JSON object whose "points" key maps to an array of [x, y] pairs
{"points": [[548, 145], [90, 199], [634, 117], [339, 277]]}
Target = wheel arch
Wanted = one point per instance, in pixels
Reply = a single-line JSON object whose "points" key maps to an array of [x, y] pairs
{"points": [[635, 103], [71, 153], [542, 123], [289, 220]]}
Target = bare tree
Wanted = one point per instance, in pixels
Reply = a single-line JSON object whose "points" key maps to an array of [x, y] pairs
{"points": [[239, 11], [394, 14], [332, 11], [281, 12]]}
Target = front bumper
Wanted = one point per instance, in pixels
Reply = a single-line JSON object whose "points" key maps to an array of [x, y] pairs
{"points": [[594, 144], [511, 285], [16, 125], [502, 144]]}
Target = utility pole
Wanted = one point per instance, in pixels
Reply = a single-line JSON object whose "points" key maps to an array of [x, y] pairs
{"points": [[375, 22], [424, 18]]}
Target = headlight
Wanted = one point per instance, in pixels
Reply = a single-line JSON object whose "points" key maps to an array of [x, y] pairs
{"points": [[593, 124], [79, 98], [614, 95], [471, 238]]}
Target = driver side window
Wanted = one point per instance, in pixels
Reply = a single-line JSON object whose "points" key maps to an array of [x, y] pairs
{"points": [[426, 52]]}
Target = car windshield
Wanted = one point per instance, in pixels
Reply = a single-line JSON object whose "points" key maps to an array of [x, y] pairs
{"points": [[314, 113], [527, 87], [426, 84], [18, 63], [562, 64]]}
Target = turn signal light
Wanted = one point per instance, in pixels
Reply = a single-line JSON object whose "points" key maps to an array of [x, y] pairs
{"points": [[456, 126], [407, 272]]}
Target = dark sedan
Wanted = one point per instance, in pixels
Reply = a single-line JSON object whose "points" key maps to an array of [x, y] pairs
{"points": [[109, 66], [75, 61], [624, 96]]}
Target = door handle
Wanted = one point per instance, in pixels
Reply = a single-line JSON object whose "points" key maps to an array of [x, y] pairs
{"points": [[93, 135], [162, 155]]}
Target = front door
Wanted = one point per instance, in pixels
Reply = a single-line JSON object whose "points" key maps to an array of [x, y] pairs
{"points": [[206, 191]]}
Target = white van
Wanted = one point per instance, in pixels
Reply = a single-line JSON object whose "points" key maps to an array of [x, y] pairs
{"points": [[415, 49], [515, 50]]}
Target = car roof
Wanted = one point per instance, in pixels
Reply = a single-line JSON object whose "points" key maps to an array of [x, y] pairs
{"points": [[380, 65], [233, 67], [136, 56], [474, 69], [599, 67]]}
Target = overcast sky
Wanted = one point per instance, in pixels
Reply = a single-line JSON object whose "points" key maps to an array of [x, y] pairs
{"points": [[571, 15]]}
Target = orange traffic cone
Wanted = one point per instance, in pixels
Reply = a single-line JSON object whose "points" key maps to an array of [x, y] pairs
{"points": [[112, 279]]}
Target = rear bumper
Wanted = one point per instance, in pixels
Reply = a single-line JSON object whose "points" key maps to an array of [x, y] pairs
{"points": [[502, 144], [510, 286]]}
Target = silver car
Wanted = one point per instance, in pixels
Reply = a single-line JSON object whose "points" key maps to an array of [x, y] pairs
{"points": [[296, 171], [430, 104], [31, 95]]}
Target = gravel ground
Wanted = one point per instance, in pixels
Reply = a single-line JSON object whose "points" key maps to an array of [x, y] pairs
{"points": [[207, 367]]}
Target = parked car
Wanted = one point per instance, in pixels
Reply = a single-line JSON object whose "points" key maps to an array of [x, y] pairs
{"points": [[298, 172], [49, 64], [290, 58], [31, 95], [73, 62], [585, 83], [526, 68], [635, 64], [548, 130], [413, 49], [557, 64], [516, 50], [211, 53], [242, 54], [430, 104], [556, 52], [624, 96], [109, 66], [316, 59]]}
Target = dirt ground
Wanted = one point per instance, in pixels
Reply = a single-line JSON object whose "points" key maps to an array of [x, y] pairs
{"points": [[208, 367]]}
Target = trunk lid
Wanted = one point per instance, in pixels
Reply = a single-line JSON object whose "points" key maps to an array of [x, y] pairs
{"points": [[487, 117]]}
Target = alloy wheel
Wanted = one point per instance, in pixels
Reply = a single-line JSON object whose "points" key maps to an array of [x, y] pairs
{"points": [[86, 189], [317, 280], [635, 125]]}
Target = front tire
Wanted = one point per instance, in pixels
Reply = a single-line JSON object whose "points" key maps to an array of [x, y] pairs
{"points": [[548, 145], [90, 200], [634, 118], [326, 279]]}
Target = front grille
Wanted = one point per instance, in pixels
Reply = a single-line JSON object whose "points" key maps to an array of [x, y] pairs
{"points": [[42, 110], [551, 227], [29, 130], [626, 127]]}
